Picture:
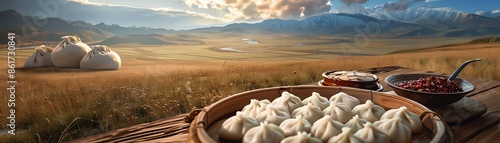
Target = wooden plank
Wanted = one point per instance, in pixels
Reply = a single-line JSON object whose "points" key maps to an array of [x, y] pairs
{"points": [[490, 99], [463, 133], [462, 111], [491, 135], [147, 131], [482, 85], [179, 138], [470, 130]]}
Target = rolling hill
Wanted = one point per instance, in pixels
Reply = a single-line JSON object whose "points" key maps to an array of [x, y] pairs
{"points": [[153, 39], [29, 29]]}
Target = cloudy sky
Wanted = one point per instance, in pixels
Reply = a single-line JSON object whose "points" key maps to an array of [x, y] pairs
{"points": [[187, 14]]}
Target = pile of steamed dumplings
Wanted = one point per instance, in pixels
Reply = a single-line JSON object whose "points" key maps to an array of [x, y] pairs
{"points": [[316, 119]]}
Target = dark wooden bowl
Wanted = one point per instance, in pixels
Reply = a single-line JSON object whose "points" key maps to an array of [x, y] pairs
{"points": [[371, 85], [429, 98]]}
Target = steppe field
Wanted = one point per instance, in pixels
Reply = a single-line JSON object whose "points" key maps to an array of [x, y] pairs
{"points": [[160, 81]]}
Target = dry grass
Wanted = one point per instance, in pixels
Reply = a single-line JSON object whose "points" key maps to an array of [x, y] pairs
{"points": [[145, 90]]}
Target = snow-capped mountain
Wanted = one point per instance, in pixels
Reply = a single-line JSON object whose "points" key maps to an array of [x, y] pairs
{"points": [[326, 23], [424, 15], [414, 21]]}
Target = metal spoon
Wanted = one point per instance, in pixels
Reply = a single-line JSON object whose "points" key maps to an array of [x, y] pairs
{"points": [[454, 75]]}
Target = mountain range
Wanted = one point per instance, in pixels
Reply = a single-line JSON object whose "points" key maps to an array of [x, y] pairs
{"points": [[415, 21], [28, 28]]}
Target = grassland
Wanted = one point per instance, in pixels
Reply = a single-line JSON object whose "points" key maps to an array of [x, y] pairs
{"points": [[59, 104]]}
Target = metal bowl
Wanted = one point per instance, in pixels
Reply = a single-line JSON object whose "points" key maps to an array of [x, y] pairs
{"points": [[429, 98]]}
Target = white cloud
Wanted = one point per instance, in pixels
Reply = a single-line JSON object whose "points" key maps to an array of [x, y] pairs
{"points": [[251, 10], [495, 11], [480, 12], [126, 15], [183, 12], [431, 0]]}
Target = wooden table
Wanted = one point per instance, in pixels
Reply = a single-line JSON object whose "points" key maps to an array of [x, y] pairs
{"points": [[485, 128]]}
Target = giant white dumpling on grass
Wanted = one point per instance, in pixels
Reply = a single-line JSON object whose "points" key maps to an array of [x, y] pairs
{"points": [[41, 58], [69, 52], [101, 57]]}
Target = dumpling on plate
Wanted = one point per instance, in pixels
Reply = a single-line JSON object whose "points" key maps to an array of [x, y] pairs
{"points": [[339, 112], [310, 112], [254, 108], [325, 128], [287, 101], [397, 131], [294, 125], [264, 133], [369, 111], [301, 137], [356, 123], [371, 134], [317, 100], [408, 118], [346, 137], [235, 127], [346, 99], [273, 115]]}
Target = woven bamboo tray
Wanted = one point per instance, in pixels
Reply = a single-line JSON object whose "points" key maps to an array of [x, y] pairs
{"points": [[205, 127]]}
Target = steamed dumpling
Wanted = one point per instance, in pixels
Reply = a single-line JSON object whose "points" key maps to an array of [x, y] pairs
{"points": [[338, 111], [371, 134], [301, 137], [310, 112], [235, 127], [264, 133], [254, 108], [325, 128], [369, 111], [294, 125], [346, 137], [273, 115], [356, 123], [346, 99], [265, 102], [287, 101], [408, 118], [397, 131], [317, 100]]}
